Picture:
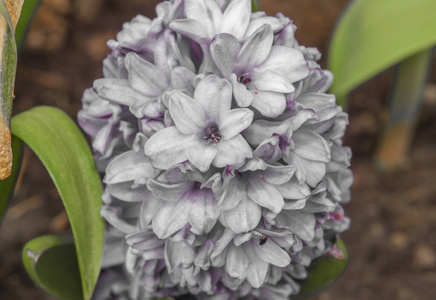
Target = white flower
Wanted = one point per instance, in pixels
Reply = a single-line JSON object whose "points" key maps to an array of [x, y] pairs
{"points": [[221, 154]]}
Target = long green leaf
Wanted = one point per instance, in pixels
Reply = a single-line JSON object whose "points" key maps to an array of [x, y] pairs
{"points": [[27, 13], [7, 185], [325, 272], [63, 150], [51, 262], [373, 35], [8, 66]]}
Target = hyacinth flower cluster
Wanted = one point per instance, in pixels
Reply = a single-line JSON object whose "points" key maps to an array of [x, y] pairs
{"points": [[221, 155]]}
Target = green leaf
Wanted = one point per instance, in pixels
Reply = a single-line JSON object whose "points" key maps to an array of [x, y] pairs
{"points": [[51, 262], [255, 5], [63, 150], [324, 272], [7, 185], [373, 35], [8, 66], [27, 13], [8, 62]]}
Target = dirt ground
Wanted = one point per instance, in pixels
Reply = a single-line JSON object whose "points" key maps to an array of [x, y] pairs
{"points": [[392, 240]]}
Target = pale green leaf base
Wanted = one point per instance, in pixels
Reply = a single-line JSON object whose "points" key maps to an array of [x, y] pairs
{"points": [[51, 262]]}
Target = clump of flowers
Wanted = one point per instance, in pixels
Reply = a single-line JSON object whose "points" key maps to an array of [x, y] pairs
{"points": [[221, 155]]}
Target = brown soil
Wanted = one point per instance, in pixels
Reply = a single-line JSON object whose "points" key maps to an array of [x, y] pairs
{"points": [[392, 240]]}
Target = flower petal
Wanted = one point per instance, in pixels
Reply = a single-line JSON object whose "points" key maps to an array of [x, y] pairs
{"points": [[224, 49], [232, 195], [203, 212], [182, 79], [237, 262], [257, 268], [174, 254], [144, 240], [190, 28], [220, 247], [300, 223], [112, 216], [170, 218], [236, 18], [170, 192], [214, 94], [145, 76], [149, 208], [201, 155], [294, 204], [269, 104], [310, 145], [255, 50], [128, 167], [125, 192], [167, 147], [311, 172], [118, 91], [187, 114], [265, 194], [231, 152], [206, 12], [243, 97], [253, 165], [261, 130], [234, 121], [274, 22], [286, 61], [273, 254], [243, 217], [273, 82], [318, 204], [278, 174], [294, 190], [301, 117], [269, 150]]}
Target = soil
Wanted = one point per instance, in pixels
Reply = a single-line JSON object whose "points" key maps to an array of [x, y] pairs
{"points": [[392, 239]]}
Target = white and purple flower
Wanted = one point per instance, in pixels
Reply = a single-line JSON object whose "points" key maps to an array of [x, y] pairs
{"points": [[221, 153]]}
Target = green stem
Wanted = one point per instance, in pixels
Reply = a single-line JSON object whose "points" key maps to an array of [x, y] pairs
{"points": [[404, 106], [255, 5]]}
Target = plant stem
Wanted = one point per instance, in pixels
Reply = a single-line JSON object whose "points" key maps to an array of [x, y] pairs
{"points": [[404, 106]]}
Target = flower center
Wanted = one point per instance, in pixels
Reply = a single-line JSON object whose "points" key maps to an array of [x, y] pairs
{"points": [[213, 135], [283, 143], [243, 79]]}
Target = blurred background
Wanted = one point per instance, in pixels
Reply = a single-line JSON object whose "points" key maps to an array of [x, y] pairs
{"points": [[392, 239]]}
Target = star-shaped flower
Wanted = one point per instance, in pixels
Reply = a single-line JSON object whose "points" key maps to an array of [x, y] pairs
{"points": [[261, 74], [207, 131]]}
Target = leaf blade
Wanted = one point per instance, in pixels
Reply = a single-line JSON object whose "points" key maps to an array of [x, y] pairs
{"points": [[325, 272], [51, 263], [8, 66], [61, 147], [27, 13], [372, 35]]}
